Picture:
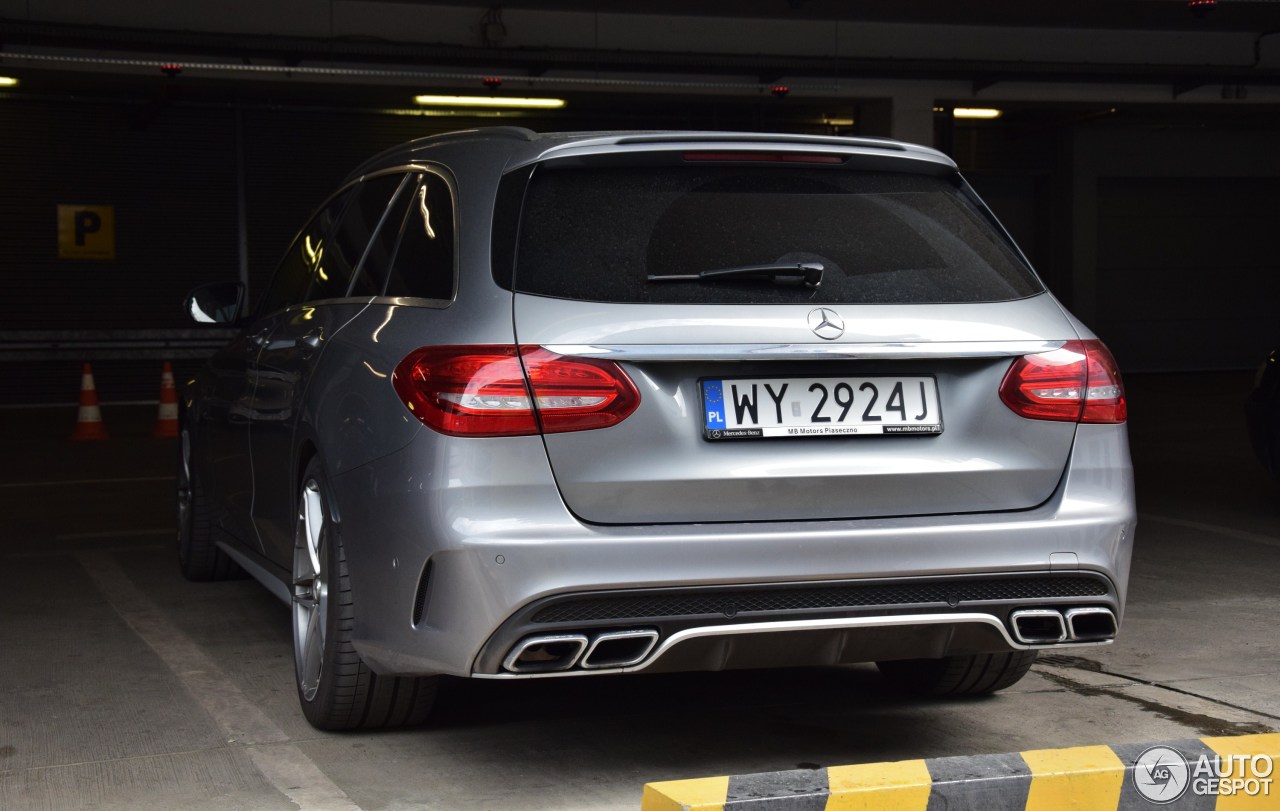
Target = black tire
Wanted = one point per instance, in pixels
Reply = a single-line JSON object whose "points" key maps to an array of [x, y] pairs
{"points": [[341, 692], [975, 675], [199, 557]]}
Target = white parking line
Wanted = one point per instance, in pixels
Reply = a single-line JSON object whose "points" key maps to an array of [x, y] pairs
{"points": [[76, 482], [241, 721], [1239, 534]]}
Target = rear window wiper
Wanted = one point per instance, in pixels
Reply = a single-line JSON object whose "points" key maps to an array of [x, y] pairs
{"points": [[808, 274]]}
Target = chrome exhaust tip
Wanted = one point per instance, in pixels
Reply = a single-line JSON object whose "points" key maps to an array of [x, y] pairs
{"points": [[545, 654], [1092, 624], [1038, 626], [619, 649]]}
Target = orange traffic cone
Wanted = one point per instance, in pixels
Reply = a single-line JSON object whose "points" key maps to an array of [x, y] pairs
{"points": [[167, 415], [89, 420]]}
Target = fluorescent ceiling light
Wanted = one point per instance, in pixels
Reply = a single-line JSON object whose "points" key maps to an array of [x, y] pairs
{"points": [[977, 112], [8, 81], [489, 101]]}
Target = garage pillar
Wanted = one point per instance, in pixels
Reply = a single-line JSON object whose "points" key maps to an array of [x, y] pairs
{"points": [[913, 118]]}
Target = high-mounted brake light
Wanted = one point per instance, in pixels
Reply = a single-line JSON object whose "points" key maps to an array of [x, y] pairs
{"points": [[1079, 382], [765, 157], [511, 391]]}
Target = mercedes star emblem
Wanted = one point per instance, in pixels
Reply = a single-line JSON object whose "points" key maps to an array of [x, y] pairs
{"points": [[826, 324]]}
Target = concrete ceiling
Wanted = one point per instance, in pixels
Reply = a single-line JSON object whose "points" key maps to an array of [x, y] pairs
{"points": [[373, 52], [1226, 15]]}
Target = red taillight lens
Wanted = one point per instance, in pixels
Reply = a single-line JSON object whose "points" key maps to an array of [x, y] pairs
{"points": [[1077, 383], [467, 390], [577, 394], [508, 390]]}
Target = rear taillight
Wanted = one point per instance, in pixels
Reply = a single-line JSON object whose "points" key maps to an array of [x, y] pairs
{"points": [[1077, 383], [511, 391]]}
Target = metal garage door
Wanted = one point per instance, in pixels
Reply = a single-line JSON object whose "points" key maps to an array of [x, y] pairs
{"points": [[1188, 271]]}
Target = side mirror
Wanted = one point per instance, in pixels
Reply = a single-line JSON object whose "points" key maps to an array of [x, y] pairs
{"points": [[215, 303]]}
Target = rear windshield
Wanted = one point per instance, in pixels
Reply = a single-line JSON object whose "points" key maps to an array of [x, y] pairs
{"points": [[598, 233]]}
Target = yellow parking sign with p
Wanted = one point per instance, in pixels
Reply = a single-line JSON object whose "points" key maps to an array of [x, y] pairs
{"points": [[86, 232]]}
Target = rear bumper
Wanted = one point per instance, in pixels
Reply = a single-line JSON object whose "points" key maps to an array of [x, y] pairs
{"points": [[500, 548], [734, 627]]}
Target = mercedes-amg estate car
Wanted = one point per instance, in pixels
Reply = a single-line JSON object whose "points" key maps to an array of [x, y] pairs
{"points": [[526, 406]]}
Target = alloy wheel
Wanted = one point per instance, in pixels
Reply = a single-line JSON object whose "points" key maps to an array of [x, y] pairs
{"points": [[184, 494], [310, 589]]}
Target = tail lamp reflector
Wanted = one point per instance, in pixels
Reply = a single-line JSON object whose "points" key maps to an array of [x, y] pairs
{"points": [[512, 390]]}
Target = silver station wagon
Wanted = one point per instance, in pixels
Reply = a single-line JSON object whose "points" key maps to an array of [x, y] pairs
{"points": [[528, 406]]}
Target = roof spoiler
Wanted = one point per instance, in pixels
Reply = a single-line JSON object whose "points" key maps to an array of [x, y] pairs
{"points": [[763, 138]]}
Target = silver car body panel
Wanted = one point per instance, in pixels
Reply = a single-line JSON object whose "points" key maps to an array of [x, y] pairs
{"points": [[656, 467], [1034, 321]]}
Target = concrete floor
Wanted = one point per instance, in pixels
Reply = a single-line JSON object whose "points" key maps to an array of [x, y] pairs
{"points": [[123, 686]]}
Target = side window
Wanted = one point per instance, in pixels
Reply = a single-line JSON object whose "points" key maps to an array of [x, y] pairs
{"points": [[372, 278], [423, 263], [306, 255], [347, 243]]}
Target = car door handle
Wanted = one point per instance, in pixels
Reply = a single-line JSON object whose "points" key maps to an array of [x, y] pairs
{"points": [[311, 340]]}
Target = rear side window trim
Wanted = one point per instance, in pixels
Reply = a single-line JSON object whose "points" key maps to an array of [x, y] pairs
{"points": [[407, 301], [382, 222], [443, 173]]}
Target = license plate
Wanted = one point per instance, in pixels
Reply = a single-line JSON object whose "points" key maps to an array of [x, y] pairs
{"points": [[754, 408]]}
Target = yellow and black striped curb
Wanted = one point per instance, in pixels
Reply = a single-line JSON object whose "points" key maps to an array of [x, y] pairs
{"points": [[1084, 778]]}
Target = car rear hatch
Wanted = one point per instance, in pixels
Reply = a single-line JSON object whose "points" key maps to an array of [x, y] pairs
{"points": [[762, 396]]}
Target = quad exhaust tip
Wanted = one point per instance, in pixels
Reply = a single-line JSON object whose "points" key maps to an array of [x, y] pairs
{"points": [[554, 653], [1039, 626], [1091, 624], [619, 649], [549, 653], [1045, 626]]}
